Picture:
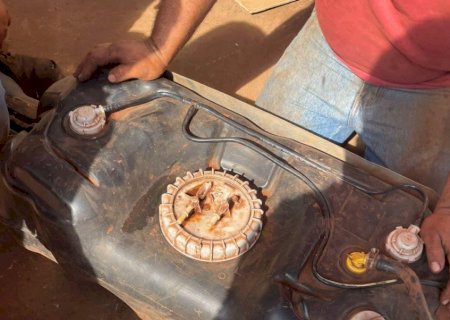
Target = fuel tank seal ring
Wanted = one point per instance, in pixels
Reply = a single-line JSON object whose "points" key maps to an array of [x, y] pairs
{"points": [[211, 216]]}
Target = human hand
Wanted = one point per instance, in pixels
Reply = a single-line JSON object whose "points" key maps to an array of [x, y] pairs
{"points": [[5, 21], [136, 58], [442, 313], [436, 235]]}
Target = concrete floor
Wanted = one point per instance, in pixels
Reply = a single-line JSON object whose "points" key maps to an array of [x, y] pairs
{"points": [[232, 51]]}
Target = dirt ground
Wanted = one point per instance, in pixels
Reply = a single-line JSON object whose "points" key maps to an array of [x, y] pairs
{"points": [[232, 51]]}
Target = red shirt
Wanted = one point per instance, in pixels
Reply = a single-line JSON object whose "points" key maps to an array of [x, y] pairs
{"points": [[395, 43]]}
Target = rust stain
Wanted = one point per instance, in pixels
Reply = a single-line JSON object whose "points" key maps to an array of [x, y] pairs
{"points": [[93, 180], [273, 185], [214, 164], [212, 204], [110, 229], [175, 168]]}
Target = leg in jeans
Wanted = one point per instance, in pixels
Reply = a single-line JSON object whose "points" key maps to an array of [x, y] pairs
{"points": [[406, 130], [311, 88]]}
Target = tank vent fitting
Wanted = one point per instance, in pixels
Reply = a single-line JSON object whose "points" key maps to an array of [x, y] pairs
{"points": [[87, 120], [405, 245], [356, 262], [210, 216]]}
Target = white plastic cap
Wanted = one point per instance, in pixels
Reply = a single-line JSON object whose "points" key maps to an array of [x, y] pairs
{"points": [[367, 315], [405, 244], [87, 120]]}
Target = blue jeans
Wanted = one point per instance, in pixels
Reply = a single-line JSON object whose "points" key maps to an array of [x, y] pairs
{"points": [[406, 130]]}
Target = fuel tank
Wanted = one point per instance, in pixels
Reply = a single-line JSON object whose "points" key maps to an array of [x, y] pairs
{"points": [[187, 210]]}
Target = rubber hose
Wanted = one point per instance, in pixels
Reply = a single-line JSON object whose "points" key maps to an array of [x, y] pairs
{"points": [[411, 281]]}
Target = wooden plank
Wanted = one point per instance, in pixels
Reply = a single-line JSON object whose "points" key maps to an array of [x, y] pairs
{"points": [[256, 6]]}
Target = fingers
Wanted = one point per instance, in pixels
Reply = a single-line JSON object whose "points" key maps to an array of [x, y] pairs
{"points": [[99, 56], [445, 296], [435, 251], [134, 58], [86, 68], [442, 313], [122, 73]]}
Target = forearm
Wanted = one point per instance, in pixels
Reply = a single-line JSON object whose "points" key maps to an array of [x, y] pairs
{"points": [[175, 23], [146, 60]]}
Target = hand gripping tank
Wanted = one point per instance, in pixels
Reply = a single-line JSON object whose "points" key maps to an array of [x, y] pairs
{"points": [[186, 210]]}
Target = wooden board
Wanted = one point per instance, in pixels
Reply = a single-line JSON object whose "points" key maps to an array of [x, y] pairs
{"points": [[256, 6]]}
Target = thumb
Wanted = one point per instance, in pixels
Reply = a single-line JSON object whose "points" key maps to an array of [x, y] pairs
{"points": [[435, 252], [121, 73]]}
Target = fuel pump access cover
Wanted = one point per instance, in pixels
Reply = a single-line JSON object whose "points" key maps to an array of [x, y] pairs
{"points": [[211, 215]]}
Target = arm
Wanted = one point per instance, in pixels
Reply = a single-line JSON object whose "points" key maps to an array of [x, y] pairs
{"points": [[436, 235], [147, 59]]}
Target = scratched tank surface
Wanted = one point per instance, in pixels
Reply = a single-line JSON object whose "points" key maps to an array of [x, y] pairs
{"points": [[186, 210]]}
